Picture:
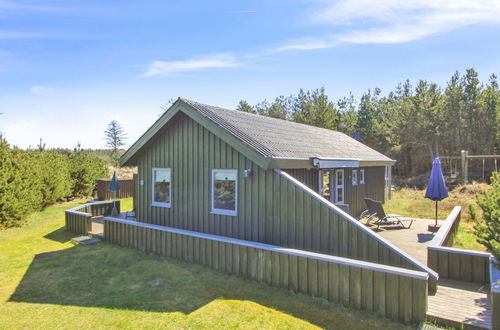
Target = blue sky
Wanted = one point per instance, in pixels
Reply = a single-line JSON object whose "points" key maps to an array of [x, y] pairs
{"points": [[67, 68]]}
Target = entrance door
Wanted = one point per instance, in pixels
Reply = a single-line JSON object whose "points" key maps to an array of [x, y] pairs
{"points": [[338, 197]]}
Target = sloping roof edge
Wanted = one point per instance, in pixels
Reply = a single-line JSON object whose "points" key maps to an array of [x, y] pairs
{"points": [[128, 157]]}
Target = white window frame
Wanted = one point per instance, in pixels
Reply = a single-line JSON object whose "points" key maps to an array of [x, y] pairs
{"points": [[354, 177], [362, 176], [336, 200], [160, 204], [221, 211]]}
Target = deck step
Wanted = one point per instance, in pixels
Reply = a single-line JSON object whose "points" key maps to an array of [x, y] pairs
{"points": [[460, 304], [85, 240]]}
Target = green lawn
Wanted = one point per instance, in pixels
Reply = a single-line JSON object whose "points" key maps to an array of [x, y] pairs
{"points": [[411, 202], [106, 286]]}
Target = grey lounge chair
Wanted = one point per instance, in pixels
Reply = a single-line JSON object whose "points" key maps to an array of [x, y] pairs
{"points": [[370, 212], [388, 219]]}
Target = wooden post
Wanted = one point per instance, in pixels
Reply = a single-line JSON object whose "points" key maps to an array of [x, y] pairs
{"points": [[465, 166]]}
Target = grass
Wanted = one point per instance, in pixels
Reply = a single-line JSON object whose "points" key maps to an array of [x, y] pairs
{"points": [[411, 202], [107, 286]]}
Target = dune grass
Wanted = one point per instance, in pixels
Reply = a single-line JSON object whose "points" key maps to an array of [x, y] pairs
{"points": [[411, 202], [107, 286]]}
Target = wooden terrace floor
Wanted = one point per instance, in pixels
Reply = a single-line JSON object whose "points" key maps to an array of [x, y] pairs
{"points": [[461, 302], [455, 302]]}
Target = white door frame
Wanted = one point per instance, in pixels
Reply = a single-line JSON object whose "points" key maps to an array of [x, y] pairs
{"points": [[337, 186]]}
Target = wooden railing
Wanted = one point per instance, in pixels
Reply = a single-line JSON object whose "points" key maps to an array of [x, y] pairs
{"points": [[396, 293], [355, 240], [495, 293], [453, 263], [79, 219]]}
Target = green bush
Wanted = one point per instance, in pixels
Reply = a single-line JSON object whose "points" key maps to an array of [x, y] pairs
{"points": [[488, 231], [84, 170], [31, 180]]}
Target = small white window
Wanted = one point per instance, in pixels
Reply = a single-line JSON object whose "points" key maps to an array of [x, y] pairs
{"points": [[162, 188], [361, 176], [354, 177], [225, 192], [339, 187]]}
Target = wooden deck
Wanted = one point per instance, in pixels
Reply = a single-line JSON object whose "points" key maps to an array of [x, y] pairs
{"points": [[461, 302], [413, 241], [455, 303]]}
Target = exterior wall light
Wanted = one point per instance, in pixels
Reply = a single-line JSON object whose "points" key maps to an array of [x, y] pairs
{"points": [[247, 173]]}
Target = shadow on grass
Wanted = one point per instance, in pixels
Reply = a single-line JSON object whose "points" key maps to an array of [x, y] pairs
{"points": [[60, 235], [106, 275]]}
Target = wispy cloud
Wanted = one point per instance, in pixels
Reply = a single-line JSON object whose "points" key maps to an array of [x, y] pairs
{"points": [[192, 64], [243, 11], [39, 90], [392, 21], [6, 6]]}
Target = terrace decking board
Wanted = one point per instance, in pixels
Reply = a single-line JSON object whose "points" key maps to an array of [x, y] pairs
{"points": [[461, 302]]}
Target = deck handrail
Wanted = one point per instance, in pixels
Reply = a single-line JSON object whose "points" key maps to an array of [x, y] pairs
{"points": [[434, 275]]}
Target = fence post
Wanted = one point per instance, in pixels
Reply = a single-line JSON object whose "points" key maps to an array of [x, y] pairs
{"points": [[465, 166]]}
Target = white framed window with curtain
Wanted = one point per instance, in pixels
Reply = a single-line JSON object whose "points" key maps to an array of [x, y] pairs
{"points": [[354, 177], [361, 176], [161, 187], [225, 191]]}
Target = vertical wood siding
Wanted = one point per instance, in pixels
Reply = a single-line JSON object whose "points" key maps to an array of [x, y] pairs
{"points": [[453, 263], [372, 188], [271, 209], [78, 220], [393, 293]]}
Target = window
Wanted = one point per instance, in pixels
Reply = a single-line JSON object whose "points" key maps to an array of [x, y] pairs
{"points": [[324, 184], [339, 186], [361, 176], [162, 191], [354, 177], [224, 192]]}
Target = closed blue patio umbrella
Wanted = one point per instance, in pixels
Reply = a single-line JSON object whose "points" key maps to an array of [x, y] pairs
{"points": [[114, 186], [436, 188]]}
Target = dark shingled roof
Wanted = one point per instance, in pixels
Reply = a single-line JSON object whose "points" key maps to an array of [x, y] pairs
{"points": [[276, 138]]}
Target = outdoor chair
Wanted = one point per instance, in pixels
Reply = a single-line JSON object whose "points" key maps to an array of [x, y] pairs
{"points": [[388, 219], [369, 213]]}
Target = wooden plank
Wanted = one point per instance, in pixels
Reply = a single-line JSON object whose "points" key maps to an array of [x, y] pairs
{"points": [[392, 296], [379, 293], [294, 273], [405, 299], [312, 277], [344, 284], [323, 279], [355, 287], [333, 283], [367, 289]]}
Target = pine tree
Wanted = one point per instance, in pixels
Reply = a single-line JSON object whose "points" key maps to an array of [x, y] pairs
{"points": [[115, 136]]}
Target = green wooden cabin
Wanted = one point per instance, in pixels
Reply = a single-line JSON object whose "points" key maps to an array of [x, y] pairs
{"points": [[212, 170]]}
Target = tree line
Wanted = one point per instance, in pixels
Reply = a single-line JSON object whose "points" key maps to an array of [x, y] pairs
{"points": [[412, 124], [33, 179]]}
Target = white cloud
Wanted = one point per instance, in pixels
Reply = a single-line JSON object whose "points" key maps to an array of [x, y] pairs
{"points": [[193, 64], [393, 21], [39, 90]]}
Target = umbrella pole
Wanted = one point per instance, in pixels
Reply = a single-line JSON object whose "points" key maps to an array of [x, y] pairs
{"points": [[436, 214]]}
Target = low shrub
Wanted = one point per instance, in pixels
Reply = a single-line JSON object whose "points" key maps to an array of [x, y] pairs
{"points": [[33, 179]]}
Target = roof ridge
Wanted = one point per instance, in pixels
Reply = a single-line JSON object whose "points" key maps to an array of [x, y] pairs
{"points": [[231, 128], [262, 116]]}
